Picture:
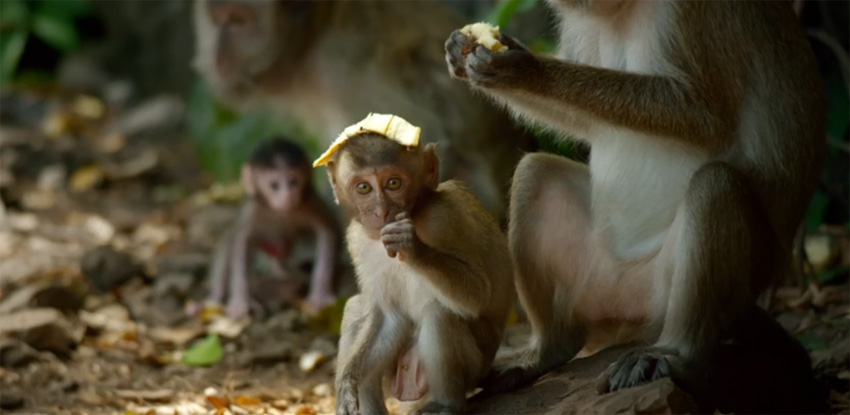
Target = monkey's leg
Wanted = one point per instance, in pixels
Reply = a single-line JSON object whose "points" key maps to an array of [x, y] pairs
{"points": [[217, 277], [718, 240], [369, 345], [549, 233], [451, 357]]}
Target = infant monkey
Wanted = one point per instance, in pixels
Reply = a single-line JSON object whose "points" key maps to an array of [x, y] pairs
{"points": [[280, 205], [435, 279]]}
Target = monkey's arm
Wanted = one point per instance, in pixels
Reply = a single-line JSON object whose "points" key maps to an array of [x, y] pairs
{"points": [[321, 283], [680, 107], [451, 268], [239, 303]]}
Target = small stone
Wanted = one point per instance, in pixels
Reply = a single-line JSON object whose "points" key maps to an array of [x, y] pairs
{"points": [[177, 282], [311, 360], [41, 328], [272, 352], [15, 353], [105, 268]]}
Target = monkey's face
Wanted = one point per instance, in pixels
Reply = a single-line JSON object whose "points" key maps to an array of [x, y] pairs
{"points": [[244, 45], [374, 194], [379, 194], [282, 188]]}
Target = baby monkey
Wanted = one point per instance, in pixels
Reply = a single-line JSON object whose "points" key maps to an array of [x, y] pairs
{"points": [[280, 207], [435, 279]]}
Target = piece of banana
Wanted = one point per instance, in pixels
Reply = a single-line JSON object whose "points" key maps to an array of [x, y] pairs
{"points": [[485, 34]]}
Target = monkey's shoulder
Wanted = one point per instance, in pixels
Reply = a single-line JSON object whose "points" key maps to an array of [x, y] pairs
{"points": [[455, 207]]}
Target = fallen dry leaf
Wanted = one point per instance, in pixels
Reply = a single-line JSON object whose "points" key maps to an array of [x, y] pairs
{"points": [[218, 402], [87, 177], [306, 410], [160, 395], [88, 106], [247, 400]]}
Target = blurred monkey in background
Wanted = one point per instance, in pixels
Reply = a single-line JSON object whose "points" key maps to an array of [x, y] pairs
{"points": [[328, 62]]}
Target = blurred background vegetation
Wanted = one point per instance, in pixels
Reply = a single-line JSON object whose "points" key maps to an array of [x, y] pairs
{"points": [[86, 44]]}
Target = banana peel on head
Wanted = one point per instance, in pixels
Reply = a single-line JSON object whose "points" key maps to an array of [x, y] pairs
{"points": [[390, 126]]}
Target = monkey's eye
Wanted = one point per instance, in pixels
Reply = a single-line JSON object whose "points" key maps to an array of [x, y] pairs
{"points": [[293, 182], [274, 185], [393, 184], [363, 188]]}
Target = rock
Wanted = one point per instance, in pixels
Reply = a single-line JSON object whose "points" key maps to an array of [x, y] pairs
{"points": [[153, 115], [41, 328], [190, 263], [10, 399], [15, 353], [289, 319], [106, 269], [572, 390], [65, 298], [311, 360], [166, 309], [272, 352], [19, 299], [176, 282]]}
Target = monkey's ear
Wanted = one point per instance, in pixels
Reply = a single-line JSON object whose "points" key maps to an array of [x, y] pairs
{"points": [[248, 180], [431, 165], [331, 167]]}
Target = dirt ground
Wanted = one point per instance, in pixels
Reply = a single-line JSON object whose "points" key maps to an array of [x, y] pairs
{"points": [[96, 196]]}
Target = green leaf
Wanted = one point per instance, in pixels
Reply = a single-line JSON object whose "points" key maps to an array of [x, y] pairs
{"points": [[205, 353], [13, 13], [11, 48], [830, 275], [56, 30], [812, 342], [816, 211], [505, 10], [839, 107], [69, 8]]}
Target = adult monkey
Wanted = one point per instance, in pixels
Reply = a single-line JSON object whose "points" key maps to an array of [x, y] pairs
{"points": [[328, 62], [706, 125]]}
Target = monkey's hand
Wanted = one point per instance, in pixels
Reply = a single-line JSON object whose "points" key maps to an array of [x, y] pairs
{"points": [[346, 399], [484, 68], [400, 238]]}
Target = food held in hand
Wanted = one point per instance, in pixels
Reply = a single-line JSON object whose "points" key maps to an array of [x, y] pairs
{"points": [[485, 34]]}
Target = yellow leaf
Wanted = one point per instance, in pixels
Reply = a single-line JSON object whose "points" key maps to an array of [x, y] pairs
{"points": [[86, 177], [247, 401], [89, 107], [305, 410], [218, 402]]}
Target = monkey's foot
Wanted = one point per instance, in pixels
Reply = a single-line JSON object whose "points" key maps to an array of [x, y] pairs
{"points": [[436, 408], [637, 367], [346, 401], [512, 371]]}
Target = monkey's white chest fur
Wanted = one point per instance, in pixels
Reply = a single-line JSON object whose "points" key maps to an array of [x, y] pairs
{"points": [[394, 285], [637, 182]]}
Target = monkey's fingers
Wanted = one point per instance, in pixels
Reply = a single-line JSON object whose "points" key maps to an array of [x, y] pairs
{"points": [[402, 216], [512, 43]]}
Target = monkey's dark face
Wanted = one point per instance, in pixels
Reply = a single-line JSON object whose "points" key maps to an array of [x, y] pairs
{"points": [[282, 189]]}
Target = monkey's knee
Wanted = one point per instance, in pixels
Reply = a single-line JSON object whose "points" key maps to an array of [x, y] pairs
{"points": [[730, 225]]}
